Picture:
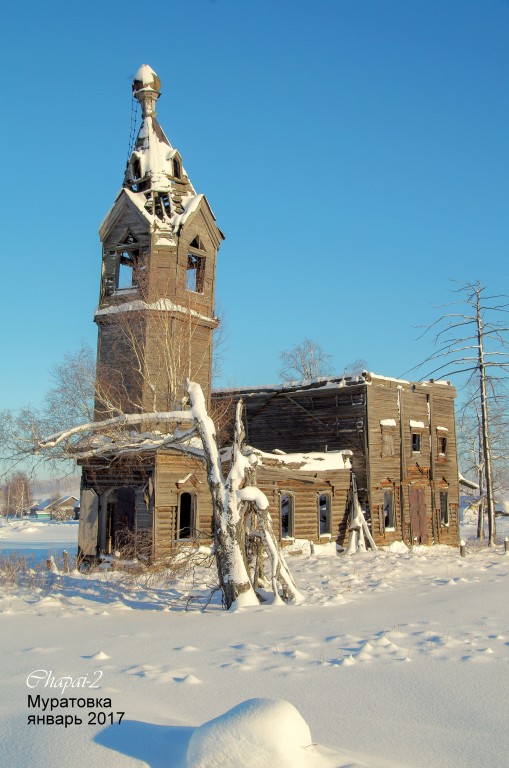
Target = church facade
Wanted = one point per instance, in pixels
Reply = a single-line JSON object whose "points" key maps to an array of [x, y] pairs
{"points": [[156, 319]]}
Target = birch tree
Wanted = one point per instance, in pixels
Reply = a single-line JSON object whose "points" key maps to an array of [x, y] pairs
{"points": [[306, 360], [472, 339]]}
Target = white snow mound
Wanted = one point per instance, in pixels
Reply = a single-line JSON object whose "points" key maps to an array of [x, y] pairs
{"points": [[257, 733], [397, 547]]}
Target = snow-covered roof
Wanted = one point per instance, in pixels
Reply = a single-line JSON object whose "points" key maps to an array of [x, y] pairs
{"points": [[321, 382], [155, 181], [145, 77], [310, 461]]}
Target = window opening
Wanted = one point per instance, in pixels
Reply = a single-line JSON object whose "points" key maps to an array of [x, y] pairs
{"points": [[389, 510], [127, 270], [162, 205], [197, 243], [286, 513], [444, 508], [442, 445], [195, 275], [416, 442], [324, 508], [186, 516], [177, 168], [387, 442]]}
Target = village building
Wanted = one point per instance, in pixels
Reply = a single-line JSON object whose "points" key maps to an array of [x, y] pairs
{"points": [[402, 440], [156, 320]]}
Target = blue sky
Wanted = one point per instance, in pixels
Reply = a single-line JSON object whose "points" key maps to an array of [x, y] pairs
{"points": [[355, 154]]}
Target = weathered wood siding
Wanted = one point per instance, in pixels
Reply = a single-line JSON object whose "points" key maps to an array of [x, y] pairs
{"points": [[176, 474], [310, 418], [409, 405], [306, 488]]}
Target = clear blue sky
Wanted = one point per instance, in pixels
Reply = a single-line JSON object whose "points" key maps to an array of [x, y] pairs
{"points": [[355, 153]]}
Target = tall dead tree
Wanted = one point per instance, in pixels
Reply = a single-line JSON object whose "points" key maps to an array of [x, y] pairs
{"points": [[474, 341]]}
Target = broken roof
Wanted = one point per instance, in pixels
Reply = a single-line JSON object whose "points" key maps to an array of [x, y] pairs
{"points": [[323, 382], [155, 180]]}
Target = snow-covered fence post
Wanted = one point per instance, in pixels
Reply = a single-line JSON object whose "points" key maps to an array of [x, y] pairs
{"points": [[506, 546], [65, 556], [463, 548]]}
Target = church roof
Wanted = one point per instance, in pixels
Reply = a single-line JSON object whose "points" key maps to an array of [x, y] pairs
{"points": [[155, 181]]}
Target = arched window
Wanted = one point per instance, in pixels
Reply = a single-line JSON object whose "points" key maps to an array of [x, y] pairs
{"points": [[286, 515], [324, 514], [177, 168], [186, 520]]}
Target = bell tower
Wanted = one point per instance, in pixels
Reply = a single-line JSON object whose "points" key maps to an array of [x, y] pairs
{"points": [[159, 241]]}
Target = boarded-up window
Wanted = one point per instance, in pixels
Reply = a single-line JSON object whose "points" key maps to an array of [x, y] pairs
{"points": [[387, 441], [286, 515], [444, 508]]}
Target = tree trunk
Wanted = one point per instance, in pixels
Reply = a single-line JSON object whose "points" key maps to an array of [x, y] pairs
{"points": [[486, 446]]}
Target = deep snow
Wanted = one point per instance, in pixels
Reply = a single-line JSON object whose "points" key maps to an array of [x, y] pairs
{"points": [[395, 659]]}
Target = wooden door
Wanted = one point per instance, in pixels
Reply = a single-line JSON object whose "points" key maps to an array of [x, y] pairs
{"points": [[418, 516]]}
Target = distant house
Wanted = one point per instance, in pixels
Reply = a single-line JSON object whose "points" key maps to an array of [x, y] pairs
{"points": [[42, 511], [64, 508], [55, 509]]}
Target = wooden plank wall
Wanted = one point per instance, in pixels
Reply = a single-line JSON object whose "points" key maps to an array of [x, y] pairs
{"points": [[433, 405], [306, 488], [312, 419], [171, 468]]}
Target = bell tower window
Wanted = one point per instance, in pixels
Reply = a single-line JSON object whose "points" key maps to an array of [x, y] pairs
{"points": [[195, 273]]}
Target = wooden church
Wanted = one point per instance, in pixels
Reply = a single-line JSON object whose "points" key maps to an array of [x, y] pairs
{"points": [[155, 322]]}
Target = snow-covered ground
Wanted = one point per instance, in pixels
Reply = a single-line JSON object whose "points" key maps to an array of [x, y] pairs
{"points": [[395, 659]]}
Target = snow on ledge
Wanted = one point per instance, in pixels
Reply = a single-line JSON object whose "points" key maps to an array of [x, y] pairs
{"points": [[161, 305], [416, 424], [387, 422]]}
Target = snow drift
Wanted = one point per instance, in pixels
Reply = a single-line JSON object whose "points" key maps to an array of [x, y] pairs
{"points": [[255, 734]]}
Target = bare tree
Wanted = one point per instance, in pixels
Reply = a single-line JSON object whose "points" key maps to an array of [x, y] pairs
{"points": [[471, 446], [306, 360], [70, 399], [19, 494], [355, 368], [473, 340]]}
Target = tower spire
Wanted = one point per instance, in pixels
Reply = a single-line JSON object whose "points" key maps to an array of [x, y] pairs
{"points": [[147, 89]]}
